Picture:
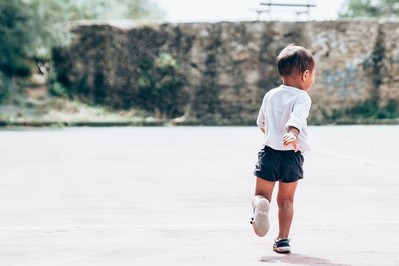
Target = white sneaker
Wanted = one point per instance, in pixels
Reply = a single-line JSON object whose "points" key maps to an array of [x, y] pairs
{"points": [[260, 221], [282, 245]]}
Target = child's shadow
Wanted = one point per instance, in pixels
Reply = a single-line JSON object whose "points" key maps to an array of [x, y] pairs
{"points": [[298, 259]]}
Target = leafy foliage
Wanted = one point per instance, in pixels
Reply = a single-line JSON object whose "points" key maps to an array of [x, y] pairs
{"points": [[29, 26], [113, 9], [19, 37], [370, 8], [30, 29], [160, 86]]}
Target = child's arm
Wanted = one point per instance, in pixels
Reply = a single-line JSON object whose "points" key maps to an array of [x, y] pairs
{"points": [[297, 121], [291, 137]]}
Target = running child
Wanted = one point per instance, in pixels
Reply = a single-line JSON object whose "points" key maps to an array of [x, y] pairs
{"points": [[283, 120]]}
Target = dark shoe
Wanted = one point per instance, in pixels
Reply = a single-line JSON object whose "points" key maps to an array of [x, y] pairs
{"points": [[282, 245]]}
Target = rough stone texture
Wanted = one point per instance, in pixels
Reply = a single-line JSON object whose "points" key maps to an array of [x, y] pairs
{"points": [[341, 48], [389, 88], [229, 66]]}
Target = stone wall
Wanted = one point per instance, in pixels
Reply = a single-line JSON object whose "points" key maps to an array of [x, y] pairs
{"points": [[227, 67]]}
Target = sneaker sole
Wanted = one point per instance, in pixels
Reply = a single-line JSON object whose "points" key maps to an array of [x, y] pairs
{"points": [[260, 222], [282, 250]]}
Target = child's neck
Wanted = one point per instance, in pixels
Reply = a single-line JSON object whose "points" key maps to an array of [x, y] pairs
{"points": [[295, 85], [293, 82]]}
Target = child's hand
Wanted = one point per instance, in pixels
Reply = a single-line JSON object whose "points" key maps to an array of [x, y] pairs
{"points": [[290, 138]]}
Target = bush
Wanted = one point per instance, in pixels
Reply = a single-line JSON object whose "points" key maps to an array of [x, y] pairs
{"points": [[160, 86], [57, 89], [4, 87], [370, 109]]}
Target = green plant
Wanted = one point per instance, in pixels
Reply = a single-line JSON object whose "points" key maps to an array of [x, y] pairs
{"points": [[4, 87], [389, 111], [160, 86], [57, 89], [30, 29], [369, 109], [25, 28], [370, 8], [113, 9]]}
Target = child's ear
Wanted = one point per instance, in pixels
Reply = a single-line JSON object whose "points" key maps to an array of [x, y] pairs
{"points": [[305, 75]]}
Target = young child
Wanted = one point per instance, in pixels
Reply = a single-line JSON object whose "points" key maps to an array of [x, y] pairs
{"points": [[283, 120]]}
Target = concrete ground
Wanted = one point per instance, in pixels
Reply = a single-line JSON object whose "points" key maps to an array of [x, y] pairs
{"points": [[181, 196]]}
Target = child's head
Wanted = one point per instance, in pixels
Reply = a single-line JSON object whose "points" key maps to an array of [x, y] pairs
{"points": [[295, 61]]}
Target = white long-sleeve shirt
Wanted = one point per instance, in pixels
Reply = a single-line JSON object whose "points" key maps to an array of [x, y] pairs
{"points": [[281, 108]]}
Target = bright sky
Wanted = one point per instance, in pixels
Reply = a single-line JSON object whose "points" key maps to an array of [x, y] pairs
{"points": [[244, 10]]}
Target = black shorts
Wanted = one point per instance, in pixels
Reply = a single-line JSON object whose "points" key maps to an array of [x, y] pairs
{"points": [[274, 165]]}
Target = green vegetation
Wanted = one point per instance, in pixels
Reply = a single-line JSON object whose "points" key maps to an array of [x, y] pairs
{"points": [[370, 9], [160, 87], [26, 30], [29, 29], [369, 109], [364, 112], [139, 10], [23, 32]]}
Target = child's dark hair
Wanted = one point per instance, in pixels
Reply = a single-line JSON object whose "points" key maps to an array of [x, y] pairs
{"points": [[294, 59]]}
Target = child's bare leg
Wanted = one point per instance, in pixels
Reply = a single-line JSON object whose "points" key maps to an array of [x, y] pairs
{"points": [[285, 201], [261, 205], [264, 188]]}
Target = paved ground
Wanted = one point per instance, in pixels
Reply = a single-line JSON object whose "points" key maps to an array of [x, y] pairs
{"points": [[181, 196]]}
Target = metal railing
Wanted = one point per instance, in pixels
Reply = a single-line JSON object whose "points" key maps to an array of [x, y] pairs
{"points": [[298, 12]]}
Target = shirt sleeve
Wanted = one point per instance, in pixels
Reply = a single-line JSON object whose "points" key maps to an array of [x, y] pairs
{"points": [[261, 120], [300, 113]]}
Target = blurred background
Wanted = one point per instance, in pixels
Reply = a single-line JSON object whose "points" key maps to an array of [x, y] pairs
{"points": [[157, 62], [236, 10]]}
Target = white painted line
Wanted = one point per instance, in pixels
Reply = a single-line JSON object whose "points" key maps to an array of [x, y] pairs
{"points": [[358, 159], [118, 226], [66, 228]]}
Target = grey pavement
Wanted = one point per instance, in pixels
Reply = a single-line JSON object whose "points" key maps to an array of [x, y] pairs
{"points": [[182, 196]]}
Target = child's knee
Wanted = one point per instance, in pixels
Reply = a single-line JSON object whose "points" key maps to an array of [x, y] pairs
{"points": [[284, 203]]}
